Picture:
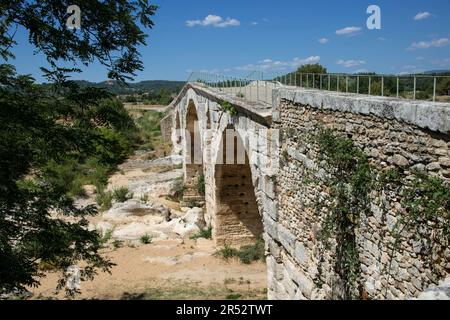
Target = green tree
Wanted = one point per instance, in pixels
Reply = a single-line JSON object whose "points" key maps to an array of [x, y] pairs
{"points": [[312, 68], [55, 123]]}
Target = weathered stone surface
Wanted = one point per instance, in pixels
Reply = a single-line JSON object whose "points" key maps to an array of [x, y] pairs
{"points": [[441, 292], [393, 133]]}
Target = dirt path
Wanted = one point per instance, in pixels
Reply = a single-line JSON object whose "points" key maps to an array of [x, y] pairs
{"points": [[171, 266]]}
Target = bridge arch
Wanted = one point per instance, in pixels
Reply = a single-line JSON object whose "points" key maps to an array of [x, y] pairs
{"points": [[237, 218], [193, 154]]}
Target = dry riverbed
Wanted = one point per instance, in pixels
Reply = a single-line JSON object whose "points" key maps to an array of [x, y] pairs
{"points": [[171, 266]]}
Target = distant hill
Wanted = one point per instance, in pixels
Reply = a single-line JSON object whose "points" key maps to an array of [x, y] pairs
{"points": [[437, 71], [148, 86]]}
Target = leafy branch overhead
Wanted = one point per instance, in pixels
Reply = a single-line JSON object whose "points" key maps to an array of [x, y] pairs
{"points": [[111, 32]]}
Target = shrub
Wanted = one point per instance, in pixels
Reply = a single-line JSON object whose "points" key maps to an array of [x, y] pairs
{"points": [[104, 200], [246, 254], [111, 147], [122, 194], [227, 252], [205, 233], [144, 198], [233, 296], [146, 239], [201, 185], [107, 236], [117, 244], [250, 253]]}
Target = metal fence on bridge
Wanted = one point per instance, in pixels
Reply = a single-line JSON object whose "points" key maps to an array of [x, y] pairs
{"points": [[257, 86]]}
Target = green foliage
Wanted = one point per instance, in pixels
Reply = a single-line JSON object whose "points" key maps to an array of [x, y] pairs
{"points": [[228, 107], [312, 68], [44, 129], [111, 32], [104, 200], [144, 198], [107, 236], [117, 244], [122, 194], [251, 253], [201, 185], [233, 296], [240, 95], [426, 200], [204, 233], [43, 133], [111, 146], [246, 254], [226, 252], [349, 180], [146, 239]]}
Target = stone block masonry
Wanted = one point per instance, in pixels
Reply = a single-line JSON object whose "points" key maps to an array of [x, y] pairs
{"points": [[275, 193], [393, 134]]}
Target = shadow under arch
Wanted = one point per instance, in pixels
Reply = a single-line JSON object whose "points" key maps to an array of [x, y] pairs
{"points": [[193, 194], [237, 218]]}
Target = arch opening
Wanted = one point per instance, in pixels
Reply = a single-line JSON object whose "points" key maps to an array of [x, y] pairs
{"points": [[194, 191], [238, 221]]}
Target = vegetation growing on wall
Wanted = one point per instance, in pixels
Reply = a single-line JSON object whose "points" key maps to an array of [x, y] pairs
{"points": [[349, 180], [426, 216], [228, 107]]}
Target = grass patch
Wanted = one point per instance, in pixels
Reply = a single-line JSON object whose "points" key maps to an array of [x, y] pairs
{"points": [[233, 296], [246, 254], [205, 234], [227, 252], [104, 200], [107, 236], [117, 244], [145, 239], [251, 253], [122, 194], [187, 290]]}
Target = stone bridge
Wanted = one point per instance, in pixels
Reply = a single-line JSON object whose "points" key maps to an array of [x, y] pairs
{"points": [[250, 164]]}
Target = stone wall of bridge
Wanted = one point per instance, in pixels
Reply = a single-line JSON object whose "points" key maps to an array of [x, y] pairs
{"points": [[409, 136], [239, 192], [256, 195]]}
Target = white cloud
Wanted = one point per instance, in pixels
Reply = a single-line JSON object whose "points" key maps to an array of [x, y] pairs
{"points": [[254, 23], [276, 65], [323, 40], [214, 21], [422, 15], [348, 31], [381, 38], [429, 44], [350, 63]]}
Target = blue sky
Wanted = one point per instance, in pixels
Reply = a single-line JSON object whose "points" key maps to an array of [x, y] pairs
{"points": [[235, 37]]}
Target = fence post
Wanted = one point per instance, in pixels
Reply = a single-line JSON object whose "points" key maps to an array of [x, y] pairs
{"points": [[370, 85], [307, 80], [329, 83], [398, 87], [321, 76], [415, 86], [346, 84], [382, 86], [337, 84], [434, 89], [357, 84], [301, 80], [257, 90], [313, 81]]}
